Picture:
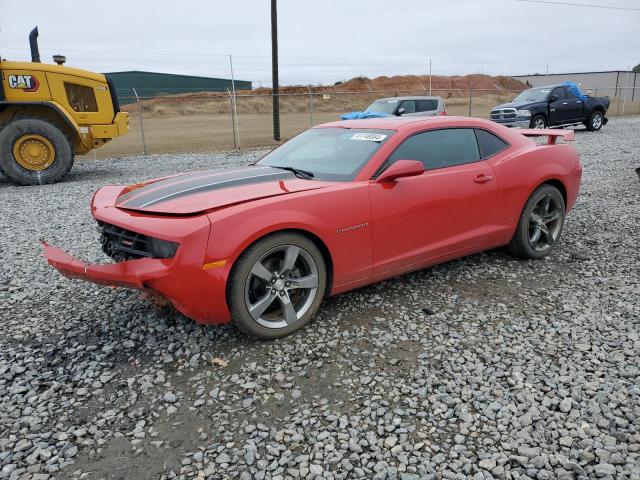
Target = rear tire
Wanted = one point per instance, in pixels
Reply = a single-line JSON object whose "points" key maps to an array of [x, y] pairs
{"points": [[540, 224], [277, 285], [538, 122], [596, 120], [34, 152]]}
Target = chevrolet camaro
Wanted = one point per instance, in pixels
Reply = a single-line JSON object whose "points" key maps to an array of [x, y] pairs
{"points": [[341, 205]]}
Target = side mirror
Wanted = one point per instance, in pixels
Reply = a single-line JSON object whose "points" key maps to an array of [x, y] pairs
{"points": [[400, 111], [400, 169], [553, 98]]}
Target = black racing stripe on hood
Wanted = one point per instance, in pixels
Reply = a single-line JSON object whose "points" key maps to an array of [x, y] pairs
{"points": [[171, 189], [188, 178]]}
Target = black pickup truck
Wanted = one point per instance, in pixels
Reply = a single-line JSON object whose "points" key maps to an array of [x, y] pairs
{"points": [[552, 106]]}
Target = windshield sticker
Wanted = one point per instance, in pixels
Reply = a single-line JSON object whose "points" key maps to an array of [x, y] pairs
{"points": [[392, 101], [372, 137]]}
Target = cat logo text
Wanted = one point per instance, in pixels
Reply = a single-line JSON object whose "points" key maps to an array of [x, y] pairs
{"points": [[27, 83]]}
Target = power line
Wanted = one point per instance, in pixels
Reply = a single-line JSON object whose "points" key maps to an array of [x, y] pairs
{"points": [[552, 2]]}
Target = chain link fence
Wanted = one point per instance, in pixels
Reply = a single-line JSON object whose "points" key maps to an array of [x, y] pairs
{"points": [[219, 121]]}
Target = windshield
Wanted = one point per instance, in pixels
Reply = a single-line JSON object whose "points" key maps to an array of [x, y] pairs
{"points": [[533, 95], [329, 153], [383, 106]]}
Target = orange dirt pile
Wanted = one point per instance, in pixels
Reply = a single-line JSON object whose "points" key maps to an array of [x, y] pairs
{"points": [[353, 94], [411, 82]]}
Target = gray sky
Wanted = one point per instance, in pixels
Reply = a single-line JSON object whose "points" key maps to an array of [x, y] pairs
{"points": [[328, 40]]}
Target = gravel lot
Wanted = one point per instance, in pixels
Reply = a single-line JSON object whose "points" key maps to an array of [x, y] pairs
{"points": [[487, 367]]}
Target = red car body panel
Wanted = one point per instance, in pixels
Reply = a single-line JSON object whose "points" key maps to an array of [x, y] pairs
{"points": [[367, 230]]}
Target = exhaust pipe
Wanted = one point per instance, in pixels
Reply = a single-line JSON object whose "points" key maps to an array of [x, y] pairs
{"points": [[33, 44]]}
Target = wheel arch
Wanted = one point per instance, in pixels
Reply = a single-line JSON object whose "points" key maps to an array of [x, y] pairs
{"points": [[317, 241], [554, 182], [47, 111]]}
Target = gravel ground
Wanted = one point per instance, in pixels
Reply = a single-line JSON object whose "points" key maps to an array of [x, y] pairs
{"points": [[486, 367]]}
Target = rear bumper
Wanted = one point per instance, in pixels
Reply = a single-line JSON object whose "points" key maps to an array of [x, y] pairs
{"points": [[195, 290]]}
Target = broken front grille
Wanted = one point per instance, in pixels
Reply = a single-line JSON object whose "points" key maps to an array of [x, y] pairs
{"points": [[122, 244]]}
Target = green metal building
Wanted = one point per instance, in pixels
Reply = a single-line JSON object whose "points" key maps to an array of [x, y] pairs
{"points": [[152, 84]]}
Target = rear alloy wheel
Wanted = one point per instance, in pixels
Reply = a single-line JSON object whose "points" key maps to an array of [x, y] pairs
{"points": [[277, 285], [595, 121], [538, 122], [540, 224]]}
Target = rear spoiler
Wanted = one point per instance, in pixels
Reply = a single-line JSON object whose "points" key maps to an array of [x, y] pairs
{"points": [[552, 135]]}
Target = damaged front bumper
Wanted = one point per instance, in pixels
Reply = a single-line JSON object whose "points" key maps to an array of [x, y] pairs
{"points": [[186, 279], [130, 273]]}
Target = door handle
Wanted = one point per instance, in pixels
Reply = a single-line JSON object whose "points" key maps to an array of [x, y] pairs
{"points": [[482, 178]]}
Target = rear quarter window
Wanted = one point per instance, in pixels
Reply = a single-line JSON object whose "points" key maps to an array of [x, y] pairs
{"points": [[426, 105], [489, 144]]}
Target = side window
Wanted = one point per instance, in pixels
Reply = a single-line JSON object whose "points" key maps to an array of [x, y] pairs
{"points": [[439, 148], [409, 106], [570, 95], [426, 105], [559, 92], [489, 144], [81, 98]]}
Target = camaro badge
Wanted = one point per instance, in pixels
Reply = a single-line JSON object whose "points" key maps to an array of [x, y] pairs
{"points": [[27, 83], [352, 228]]}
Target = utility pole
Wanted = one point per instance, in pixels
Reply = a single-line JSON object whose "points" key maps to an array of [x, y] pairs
{"points": [[234, 107], [274, 71], [547, 71]]}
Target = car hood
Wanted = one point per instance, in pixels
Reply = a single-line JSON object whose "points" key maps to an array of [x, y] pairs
{"points": [[212, 189], [517, 105]]}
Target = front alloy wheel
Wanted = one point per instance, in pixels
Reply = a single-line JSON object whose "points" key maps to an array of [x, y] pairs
{"points": [[277, 285], [538, 122], [281, 286]]}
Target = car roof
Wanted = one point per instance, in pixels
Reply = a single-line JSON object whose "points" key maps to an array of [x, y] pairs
{"points": [[549, 86], [413, 97], [398, 123]]}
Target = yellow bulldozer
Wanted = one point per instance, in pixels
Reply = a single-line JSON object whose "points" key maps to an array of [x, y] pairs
{"points": [[50, 113]]}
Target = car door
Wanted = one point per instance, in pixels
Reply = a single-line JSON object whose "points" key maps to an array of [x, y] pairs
{"points": [[559, 110], [409, 107], [444, 210], [574, 106]]}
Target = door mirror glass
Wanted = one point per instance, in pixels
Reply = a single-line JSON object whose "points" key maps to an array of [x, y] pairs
{"points": [[401, 110], [553, 98], [400, 169]]}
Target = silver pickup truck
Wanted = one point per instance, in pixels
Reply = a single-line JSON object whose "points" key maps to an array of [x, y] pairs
{"points": [[409, 106]]}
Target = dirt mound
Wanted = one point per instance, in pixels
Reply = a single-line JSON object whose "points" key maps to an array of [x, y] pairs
{"points": [[353, 94], [410, 83]]}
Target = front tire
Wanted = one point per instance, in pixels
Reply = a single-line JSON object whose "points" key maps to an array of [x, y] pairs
{"points": [[538, 122], [34, 152], [540, 224], [595, 121], [277, 285]]}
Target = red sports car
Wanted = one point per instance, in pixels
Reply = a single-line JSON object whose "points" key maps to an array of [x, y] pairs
{"points": [[340, 206]]}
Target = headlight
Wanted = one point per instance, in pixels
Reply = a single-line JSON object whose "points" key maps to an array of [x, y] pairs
{"points": [[523, 113], [163, 248]]}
